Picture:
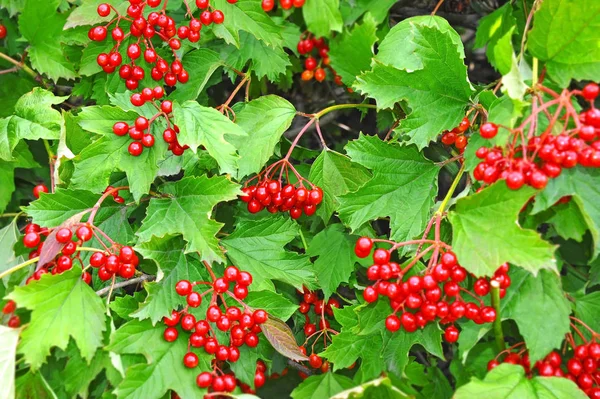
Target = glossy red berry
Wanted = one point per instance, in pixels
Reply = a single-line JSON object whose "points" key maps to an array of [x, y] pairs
{"points": [[190, 360], [590, 91], [170, 334], [183, 287], [392, 323], [315, 361], [451, 334], [40, 188], [84, 233], [363, 247], [488, 130], [204, 379]]}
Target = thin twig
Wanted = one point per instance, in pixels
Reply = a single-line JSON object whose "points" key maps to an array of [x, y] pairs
{"points": [[141, 279]]}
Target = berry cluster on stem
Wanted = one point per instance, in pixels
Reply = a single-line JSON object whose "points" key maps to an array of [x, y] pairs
{"points": [[532, 156], [269, 5], [141, 129], [439, 293], [316, 59], [241, 324], [113, 259], [578, 363], [8, 312], [457, 136]]}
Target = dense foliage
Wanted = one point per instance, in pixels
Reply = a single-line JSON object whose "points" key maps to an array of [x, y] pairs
{"points": [[299, 198]]}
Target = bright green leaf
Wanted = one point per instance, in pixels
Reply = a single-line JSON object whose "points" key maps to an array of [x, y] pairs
{"points": [[335, 257], [322, 386], [403, 187], [173, 266], [187, 211], [337, 175], [351, 53], [265, 119], [508, 381], [275, 304], [322, 17], [258, 247], [200, 64], [565, 37], [206, 126], [63, 306], [486, 233]]}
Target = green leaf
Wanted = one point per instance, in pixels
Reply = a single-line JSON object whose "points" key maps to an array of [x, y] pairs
{"points": [[379, 9], [265, 119], [265, 60], [508, 381], [581, 183], [173, 266], [275, 304], [403, 187], [78, 374], [437, 93], [33, 119], [200, 64], [587, 308], [187, 211], [8, 353], [51, 210], [164, 371], [322, 386], [322, 16], [540, 309], [95, 164], [63, 306], [9, 236], [351, 53], [34, 386], [247, 16], [380, 388], [206, 126], [7, 182], [101, 119], [11, 88], [346, 347], [42, 26], [569, 221], [399, 50], [335, 263], [565, 37], [257, 246], [395, 353], [337, 175], [125, 305], [486, 233], [86, 13]]}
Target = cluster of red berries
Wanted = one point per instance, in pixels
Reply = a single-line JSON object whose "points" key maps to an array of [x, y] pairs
{"points": [[310, 300], [8, 310], [108, 264], [144, 28], [271, 195], [141, 133], [242, 326], [2, 31], [115, 194], [434, 296], [456, 136], [314, 66], [64, 260], [540, 158], [268, 5], [583, 367]]}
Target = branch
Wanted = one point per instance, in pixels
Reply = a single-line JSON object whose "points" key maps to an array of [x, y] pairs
{"points": [[141, 279], [300, 367]]}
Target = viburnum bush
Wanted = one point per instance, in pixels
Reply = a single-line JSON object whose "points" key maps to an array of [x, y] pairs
{"points": [[299, 198]]}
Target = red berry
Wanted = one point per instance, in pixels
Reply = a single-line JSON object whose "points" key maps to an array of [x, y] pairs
{"points": [[488, 130], [166, 106], [260, 316], [204, 379], [315, 361], [170, 334], [194, 299], [381, 256], [135, 149], [590, 91], [451, 334], [173, 320], [267, 5], [14, 322], [392, 323], [218, 17], [370, 294], [84, 233], [9, 307], [183, 287], [363, 247], [31, 240], [40, 188], [190, 360]]}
